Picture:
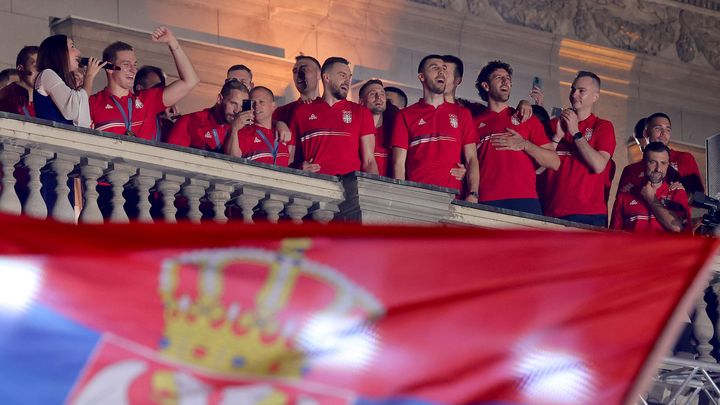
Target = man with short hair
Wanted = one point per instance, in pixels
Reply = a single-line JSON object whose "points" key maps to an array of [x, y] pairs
{"points": [[372, 95], [585, 144], [243, 74], [509, 151], [207, 129], [258, 141], [17, 97], [148, 77], [117, 109], [683, 167], [306, 77], [332, 134], [8, 76], [396, 97], [652, 206], [432, 137]]}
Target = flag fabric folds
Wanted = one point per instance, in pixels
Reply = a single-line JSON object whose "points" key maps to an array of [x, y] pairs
{"points": [[338, 314]]}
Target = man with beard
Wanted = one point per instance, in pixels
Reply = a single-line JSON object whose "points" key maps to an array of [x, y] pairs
{"points": [[306, 76], [116, 109], [331, 130], [431, 138], [509, 151], [17, 97], [653, 206], [683, 167], [207, 129], [585, 144], [373, 96]]}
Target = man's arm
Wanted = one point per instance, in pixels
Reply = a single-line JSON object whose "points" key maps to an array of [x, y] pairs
{"points": [[175, 91], [398, 161], [597, 160], [616, 219], [367, 154], [669, 220], [232, 143], [544, 155], [473, 171]]}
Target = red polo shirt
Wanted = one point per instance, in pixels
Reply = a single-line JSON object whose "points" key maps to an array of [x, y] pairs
{"points": [[14, 98], [685, 171], [382, 152], [330, 135], [632, 213], [145, 108], [573, 189], [256, 148], [434, 139], [506, 174], [199, 130], [286, 112]]}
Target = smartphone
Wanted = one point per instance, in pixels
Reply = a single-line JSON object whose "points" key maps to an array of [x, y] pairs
{"points": [[247, 105], [537, 82], [108, 66], [556, 112]]}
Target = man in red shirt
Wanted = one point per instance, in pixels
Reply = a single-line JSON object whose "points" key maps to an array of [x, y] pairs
{"points": [[683, 167], [306, 77], [372, 96], [585, 144], [207, 129], [258, 141], [652, 206], [17, 97], [116, 109], [333, 135], [509, 151], [432, 137]]}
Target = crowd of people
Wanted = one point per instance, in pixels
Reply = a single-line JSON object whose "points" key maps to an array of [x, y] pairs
{"points": [[518, 158]]}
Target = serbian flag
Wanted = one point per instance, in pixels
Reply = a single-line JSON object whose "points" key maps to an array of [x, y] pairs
{"points": [[339, 314]]}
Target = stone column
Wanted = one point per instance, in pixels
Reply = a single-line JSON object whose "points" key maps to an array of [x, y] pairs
{"points": [[143, 181], [703, 331], [9, 157], [169, 186], [324, 212], [91, 170], [35, 160], [247, 200], [194, 190], [219, 195], [273, 206], [62, 165], [118, 175], [297, 209]]}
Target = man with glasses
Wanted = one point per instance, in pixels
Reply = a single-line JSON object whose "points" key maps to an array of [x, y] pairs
{"points": [[117, 109]]}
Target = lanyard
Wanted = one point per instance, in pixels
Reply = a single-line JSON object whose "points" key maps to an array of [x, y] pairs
{"points": [[273, 149], [158, 128], [25, 111], [127, 118], [218, 148]]}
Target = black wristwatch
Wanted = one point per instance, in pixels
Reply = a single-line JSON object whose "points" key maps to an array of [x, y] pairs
{"points": [[577, 136]]}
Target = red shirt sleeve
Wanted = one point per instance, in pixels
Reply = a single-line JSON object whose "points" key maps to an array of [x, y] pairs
{"points": [[179, 134], [616, 220], [153, 98], [243, 144], [469, 134], [367, 124], [537, 132], [680, 206], [400, 133], [605, 133]]}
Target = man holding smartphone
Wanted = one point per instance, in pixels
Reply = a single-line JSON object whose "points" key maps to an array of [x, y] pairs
{"points": [[206, 129]]}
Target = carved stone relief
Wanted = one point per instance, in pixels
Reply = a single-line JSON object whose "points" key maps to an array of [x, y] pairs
{"points": [[641, 26]]}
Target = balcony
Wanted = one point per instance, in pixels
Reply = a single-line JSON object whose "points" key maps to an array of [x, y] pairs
{"points": [[147, 181]]}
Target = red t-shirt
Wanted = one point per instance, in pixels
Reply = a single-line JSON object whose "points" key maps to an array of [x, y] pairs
{"points": [[199, 130], [145, 108], [434, 139], [330, 135], [632, 213], [506, 174], [573, 189], [382, 152], [685, 170], [13, 98], [286, 112], [256, 148]]}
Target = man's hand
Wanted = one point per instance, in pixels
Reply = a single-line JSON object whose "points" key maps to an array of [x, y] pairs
{"points": [[537, 95], [459, 171], [163, 35], [648, 193], [524, 111], [676, 185], [570, 118], [510, 140], [243, 119], [311, 167], [471, 198], [282, 132]]}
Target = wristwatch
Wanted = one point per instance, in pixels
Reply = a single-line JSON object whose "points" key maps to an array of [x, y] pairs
{"points": [[474, 194], [577, 136]]}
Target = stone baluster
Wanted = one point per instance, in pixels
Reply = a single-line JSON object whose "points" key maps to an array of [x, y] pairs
{"points": [[703, 331], [169, 186], [297, 209], [35, 160], [273, 205], [91, 170], [247, 200], [219, 195], [194, 190], [62, 165], [143, 181], [118, 175], [9, 157], [324, 212]]}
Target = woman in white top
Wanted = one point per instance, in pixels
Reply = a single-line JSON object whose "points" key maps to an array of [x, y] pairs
{"points": [[57, 97]]}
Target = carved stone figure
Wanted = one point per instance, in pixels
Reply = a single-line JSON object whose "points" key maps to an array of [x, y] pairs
{"points": [[544, 15]]}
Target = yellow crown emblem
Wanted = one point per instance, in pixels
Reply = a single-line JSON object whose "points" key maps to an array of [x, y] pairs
{"points": [[257, 311]]}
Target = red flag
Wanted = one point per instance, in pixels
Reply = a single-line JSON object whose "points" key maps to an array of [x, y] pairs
{"points": [[340, 313]]}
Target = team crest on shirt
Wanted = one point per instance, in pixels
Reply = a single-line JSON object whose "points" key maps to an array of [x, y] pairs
{"points": [[588, 134], [347, 117], [138, 103], [514, 120], [453, 120]]}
